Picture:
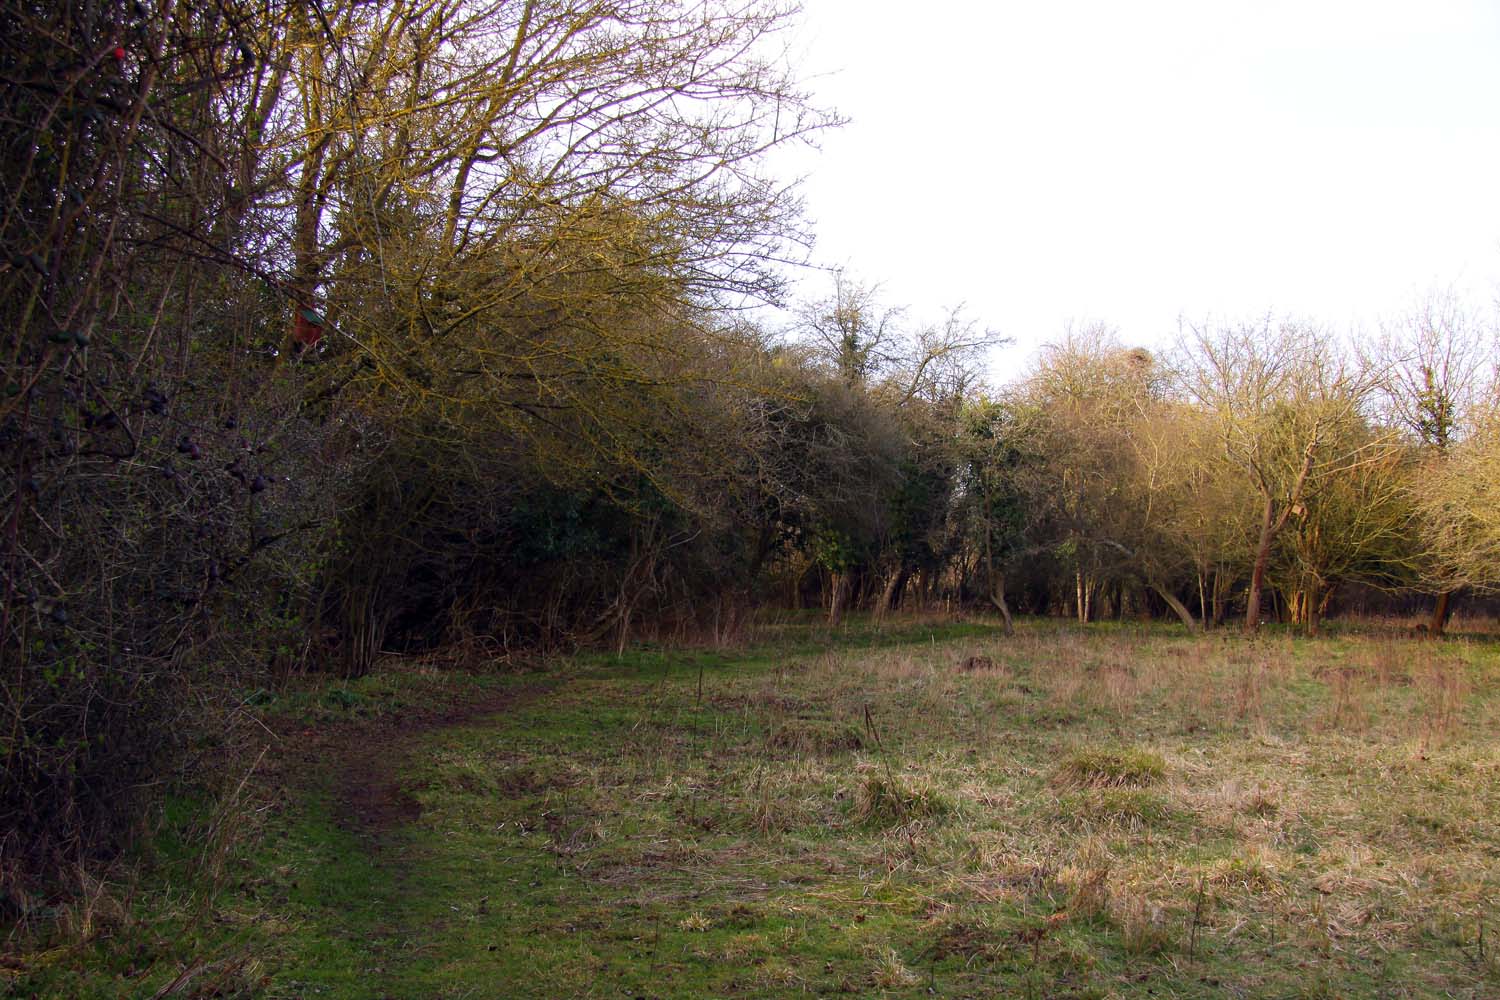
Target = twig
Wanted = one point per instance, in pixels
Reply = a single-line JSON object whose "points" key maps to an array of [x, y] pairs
{"points": [[1197, 915], [890, 778]]}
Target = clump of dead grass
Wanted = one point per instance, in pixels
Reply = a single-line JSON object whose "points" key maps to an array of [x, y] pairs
{"points": [[1087, 879], [777, 802], [814, 736], [881, 797], [96, 908], [890, 973], [1348, 708], [694, 923], [1236, 799], [1255, 868], [1443, 688], [1144, 925], [1250, 691], [1389, 662], [1111, 767], [1114, 806]]}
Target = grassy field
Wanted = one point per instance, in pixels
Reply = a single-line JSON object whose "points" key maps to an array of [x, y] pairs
{"points": [[930, 810]]}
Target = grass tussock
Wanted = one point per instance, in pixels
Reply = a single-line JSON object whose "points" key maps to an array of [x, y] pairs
{"points": [[890, 973], [1115, 805], [1111, 767], [815, 736], [1087, 881], [880, 798], [1144, 926]]}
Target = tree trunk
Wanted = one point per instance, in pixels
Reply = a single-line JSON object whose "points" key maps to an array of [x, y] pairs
{"points": [[1084, 588], [994, 583], [1270, 523], [1177, 606], [837, 599], [1262, 560], [1311, 595], [1440, 612], [1296, 607], [997, 598], [890, 595]]}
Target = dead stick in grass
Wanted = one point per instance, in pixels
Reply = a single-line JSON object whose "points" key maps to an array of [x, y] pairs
{"points": [[1197, 915], [890, 777], [885, 759]]}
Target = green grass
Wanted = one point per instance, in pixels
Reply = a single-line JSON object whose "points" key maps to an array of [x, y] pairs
{"points": [[1121, 812]]}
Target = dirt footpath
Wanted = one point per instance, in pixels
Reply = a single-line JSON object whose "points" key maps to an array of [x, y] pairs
{"points": [[364, 758]]}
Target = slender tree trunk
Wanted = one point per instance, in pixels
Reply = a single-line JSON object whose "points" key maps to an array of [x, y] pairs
{"points": [[837, 599], [1177, 606], [1296, 607], [890, 595], [1270, 523], [1440, 612], [1262, 560], [997, 598], [995, 582]]}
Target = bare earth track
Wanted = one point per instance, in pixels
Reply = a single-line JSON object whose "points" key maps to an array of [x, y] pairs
{"points": [[364, 758]]}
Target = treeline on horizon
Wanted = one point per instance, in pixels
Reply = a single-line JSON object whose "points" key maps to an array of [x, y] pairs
{"points": [[339, 328]]}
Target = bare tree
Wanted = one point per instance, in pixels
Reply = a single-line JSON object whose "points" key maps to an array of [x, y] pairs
{"points": [[852, 331], [1432, 366], [1283, 397], [1459, 509]]}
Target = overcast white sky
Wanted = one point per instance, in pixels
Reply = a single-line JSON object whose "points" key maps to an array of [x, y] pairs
{"points": [[1059, 160]]}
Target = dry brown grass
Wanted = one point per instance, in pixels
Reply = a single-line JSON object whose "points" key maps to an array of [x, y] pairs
{"points": [[1443, 689], [1347, 709], [1079, 812]]}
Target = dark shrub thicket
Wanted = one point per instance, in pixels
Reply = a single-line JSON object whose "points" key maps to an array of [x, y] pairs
{"points": [[160, 479]]}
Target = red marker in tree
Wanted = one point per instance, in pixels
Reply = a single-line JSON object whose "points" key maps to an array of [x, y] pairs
{"points": [[307, 326]]}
